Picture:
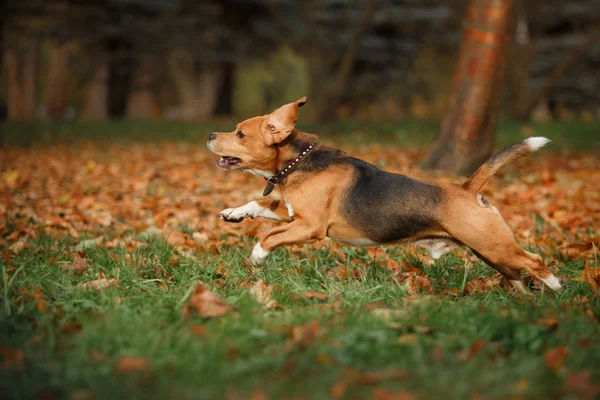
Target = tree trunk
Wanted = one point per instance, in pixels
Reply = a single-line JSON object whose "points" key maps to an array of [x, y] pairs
{"points": [[57, 80], [467, 132], [523, 49], [198, 90], [21, 81], [16, 97], [29, 78], [95, 103], [142, 102]]}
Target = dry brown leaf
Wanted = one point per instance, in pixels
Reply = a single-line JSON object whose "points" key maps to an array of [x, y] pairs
{"points": [[473, 350], [408, 338], [416, 284], [70, 328], [305, 334], [205, 303], [342, 272], [315, 295], [198, 330], [262, 293], [591, 276], [100, 284], [79, 264], [384, 394], [555, 358], [549, 322], [40, 301], [130, 365], [581, 383], [11, 358]]}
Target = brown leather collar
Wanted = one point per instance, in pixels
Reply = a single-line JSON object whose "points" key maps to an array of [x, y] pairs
{"points": [[281, 175]]}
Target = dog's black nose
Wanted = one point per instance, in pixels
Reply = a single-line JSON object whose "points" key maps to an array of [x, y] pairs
{"points": [[212, 136]]}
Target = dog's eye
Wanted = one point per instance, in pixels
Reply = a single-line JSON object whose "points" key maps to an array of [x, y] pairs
{"points": [[240, 134]]}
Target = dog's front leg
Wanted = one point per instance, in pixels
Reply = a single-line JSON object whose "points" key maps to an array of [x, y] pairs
{"points": [[297, 232], [265, 208]]}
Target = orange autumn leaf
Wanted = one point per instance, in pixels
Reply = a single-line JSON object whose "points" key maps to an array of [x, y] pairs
{"points": [[384, 394], [79, 264], [342, 272], [205, 303], [129, 365], [591, 276], [11, 358], [555, 358], [416, 284], [315, 295], [262, 293], [198, 330], [40, 301], [100, 284], [305, 334], [473, 350]]}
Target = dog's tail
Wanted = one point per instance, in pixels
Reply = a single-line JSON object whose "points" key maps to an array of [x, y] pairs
{"points": [[508, 154]]}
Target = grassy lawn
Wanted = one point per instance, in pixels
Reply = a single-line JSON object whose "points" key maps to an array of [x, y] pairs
{"points": [[108, 229]]}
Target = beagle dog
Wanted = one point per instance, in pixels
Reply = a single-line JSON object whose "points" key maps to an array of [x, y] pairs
{"points": [[328, 193]]}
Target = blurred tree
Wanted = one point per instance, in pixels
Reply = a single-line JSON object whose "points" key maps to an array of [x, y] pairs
{"points": [[330, 65], [467, 132]]}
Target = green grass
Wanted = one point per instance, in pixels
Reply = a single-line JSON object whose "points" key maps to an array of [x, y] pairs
{"points": [[410, 133], [251, 349]]}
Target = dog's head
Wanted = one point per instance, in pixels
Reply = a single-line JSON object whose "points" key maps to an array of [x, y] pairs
{"points": [[253, 144]]}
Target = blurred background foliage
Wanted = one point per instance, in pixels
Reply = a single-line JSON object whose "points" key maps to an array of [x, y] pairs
{"points": [[372, 59]]}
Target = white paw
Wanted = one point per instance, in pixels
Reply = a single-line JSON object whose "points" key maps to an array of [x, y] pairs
{"points": [[552, 282], [259, 255], [233, 214]]}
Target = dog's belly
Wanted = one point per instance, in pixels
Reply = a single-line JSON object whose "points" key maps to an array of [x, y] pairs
{"points": [[390, 208]]}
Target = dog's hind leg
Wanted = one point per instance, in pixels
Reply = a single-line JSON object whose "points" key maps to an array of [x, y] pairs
{"points": [[485, 232]]}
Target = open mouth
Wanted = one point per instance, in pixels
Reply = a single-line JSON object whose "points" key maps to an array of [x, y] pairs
{"points": [[228, 162]]}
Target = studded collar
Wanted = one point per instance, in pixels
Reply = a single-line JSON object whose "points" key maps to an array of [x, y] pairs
{"points": [[281, 175]]}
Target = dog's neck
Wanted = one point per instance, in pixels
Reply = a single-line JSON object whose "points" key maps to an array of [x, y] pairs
{"points": [[292, 147]]}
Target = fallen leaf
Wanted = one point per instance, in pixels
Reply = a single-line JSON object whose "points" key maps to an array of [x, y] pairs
{"points": [[342, 272], [79, 264], [40, 301], [555, 358], [199, 330], [338, 389], [205, 303], [580, 382], [549, 322], [416, 284], [591, 276], [100, 284], [11, 177], [129, 365], [18, 247], [305, 334], [473, 350], [70, 328], [408, 338], [315, 295], [11, 358], [262, 293], [384, 394], [373, 377]]}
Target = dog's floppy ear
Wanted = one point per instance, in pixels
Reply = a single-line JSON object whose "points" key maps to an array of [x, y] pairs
{"points": [[281, 122]]}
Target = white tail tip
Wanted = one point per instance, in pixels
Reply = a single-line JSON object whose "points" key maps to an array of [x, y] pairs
{"points": [[537, 142]]}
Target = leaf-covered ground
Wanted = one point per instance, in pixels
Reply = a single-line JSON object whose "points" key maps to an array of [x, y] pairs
{"points": [[119, 280]]}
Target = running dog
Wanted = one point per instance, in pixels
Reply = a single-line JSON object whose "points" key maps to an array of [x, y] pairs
{"points": [[328, 193]]}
